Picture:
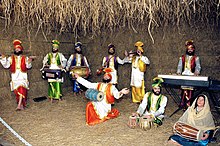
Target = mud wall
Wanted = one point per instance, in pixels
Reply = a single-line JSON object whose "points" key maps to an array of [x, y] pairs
{"points": [[168, 46]]}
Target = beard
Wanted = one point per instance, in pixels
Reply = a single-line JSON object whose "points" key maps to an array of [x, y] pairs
{"points": [[111, 53], [156, 93], [18, 52], [190, 53], [106, 80], [55, 51], [79, 52]]}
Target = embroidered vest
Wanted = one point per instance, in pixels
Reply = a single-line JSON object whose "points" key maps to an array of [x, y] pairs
{"points": [[149, 101], [73, 63], [115, 62], [109, 97], [192, 63], [14, 64], [50, 56]]}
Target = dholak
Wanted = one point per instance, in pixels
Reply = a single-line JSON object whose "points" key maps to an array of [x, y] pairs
{"points": [[146, 123], [51, 73], [82, 71], [94, 94], [187, 131], [133, 121]]}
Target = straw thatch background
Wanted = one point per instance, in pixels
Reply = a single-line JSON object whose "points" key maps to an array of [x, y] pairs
{"points": [[163, 26]]}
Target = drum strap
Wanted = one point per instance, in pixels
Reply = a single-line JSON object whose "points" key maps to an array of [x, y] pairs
{"points": [[108, 60], [109, 97]]}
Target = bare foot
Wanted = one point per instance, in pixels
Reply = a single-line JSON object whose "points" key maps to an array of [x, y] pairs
{"points": [[19, 108]]}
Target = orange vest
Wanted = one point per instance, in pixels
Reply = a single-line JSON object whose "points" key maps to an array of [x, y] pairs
{"points": [[22, 64], [109, 97]]}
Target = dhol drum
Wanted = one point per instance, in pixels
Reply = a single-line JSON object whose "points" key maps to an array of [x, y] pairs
{"points": [[51, 73], [146, 123], [133, 121], [82, 71], [94, 95], [187, 131]]}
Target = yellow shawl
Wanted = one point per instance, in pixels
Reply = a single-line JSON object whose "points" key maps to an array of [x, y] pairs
{"points": [[201, 120]]}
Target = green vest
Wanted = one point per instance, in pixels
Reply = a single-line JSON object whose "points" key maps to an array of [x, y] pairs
{"points": [[149, 101], [50, 55]]}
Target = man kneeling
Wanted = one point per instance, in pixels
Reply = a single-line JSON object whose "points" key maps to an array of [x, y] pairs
{"points": [[153, 104], [100, 111]]}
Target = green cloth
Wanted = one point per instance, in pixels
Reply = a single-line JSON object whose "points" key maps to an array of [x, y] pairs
{"points": [[50, 56], [54, 90]]}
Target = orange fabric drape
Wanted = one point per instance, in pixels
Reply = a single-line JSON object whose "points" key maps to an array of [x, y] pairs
{"points": [[92, 118]]}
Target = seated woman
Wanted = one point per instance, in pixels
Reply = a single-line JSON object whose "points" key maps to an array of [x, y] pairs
{"points": [[199, 116]]}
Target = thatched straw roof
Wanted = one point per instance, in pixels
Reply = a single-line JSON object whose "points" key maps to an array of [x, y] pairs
{"points": [[92, 16]]}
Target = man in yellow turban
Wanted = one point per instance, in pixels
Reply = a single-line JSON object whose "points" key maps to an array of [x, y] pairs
{"points": [[139, 63]]}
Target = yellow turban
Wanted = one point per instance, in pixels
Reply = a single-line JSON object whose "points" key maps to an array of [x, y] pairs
{"points": [[139, 46]]}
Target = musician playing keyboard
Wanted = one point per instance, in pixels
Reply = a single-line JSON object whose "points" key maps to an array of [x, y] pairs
{"points": [[189, 64]]}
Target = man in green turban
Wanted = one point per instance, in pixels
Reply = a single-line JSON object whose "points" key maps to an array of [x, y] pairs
{"points": [[153, 104], [55, 61]]}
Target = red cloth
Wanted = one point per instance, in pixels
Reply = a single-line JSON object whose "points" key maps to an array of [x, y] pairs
{"points": [[193, 63], [92, 118], [13, 64], [21, 91]]}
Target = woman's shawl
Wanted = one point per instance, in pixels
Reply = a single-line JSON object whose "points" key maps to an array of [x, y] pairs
{"points": [[201, 120]]}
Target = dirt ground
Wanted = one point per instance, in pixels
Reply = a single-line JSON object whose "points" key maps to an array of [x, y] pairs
{"points": [[62, 123]]}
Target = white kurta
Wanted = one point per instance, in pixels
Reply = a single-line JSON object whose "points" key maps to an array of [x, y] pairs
{"points": [[186, 70], [18, 78], [101, 107], [136, 75], [156, 113], [112, 66]]}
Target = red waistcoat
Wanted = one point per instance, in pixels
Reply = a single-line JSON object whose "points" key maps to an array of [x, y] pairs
{"points": [[22, 64], [193, 63]]}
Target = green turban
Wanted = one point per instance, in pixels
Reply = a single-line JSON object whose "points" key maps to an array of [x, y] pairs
{"points": [[157, 82]]}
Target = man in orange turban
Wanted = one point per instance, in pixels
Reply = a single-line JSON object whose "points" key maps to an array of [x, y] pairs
{"points": [[100, 111], [18, 64], [189, 64]]}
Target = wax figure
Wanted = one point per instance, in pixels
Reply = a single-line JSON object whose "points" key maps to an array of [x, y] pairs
{"points": [[19, 65], [153, 104], [100, 111], [189, 64], [112, 61], [139, 62], [54, 61], [77, 60], [199, 116]]}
